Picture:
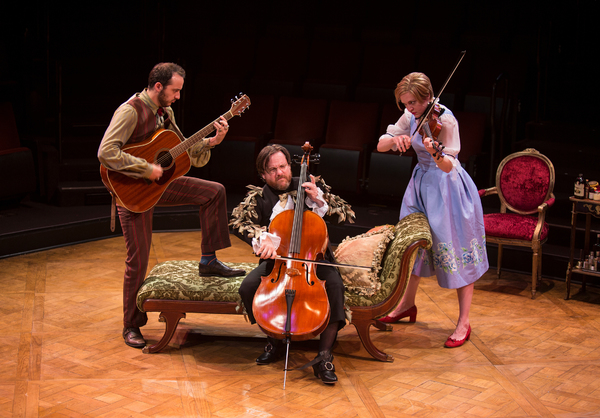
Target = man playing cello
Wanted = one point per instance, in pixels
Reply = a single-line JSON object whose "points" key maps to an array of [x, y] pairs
{"points": [[277, 195]]}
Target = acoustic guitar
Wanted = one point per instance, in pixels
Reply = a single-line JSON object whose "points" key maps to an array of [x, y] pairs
{"points": [[164, 148]]}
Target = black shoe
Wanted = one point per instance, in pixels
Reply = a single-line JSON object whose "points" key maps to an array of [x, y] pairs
{"points": [[219, 269], [133, 337], [273, 352], [325, 370]]}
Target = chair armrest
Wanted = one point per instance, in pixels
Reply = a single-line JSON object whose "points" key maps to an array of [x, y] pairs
{"points": [[544, 206], [550, 201], [488, 192], [542, 216]]}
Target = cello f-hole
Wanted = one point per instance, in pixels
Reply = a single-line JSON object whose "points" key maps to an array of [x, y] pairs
{"points": [[307, 272], [276, 278]]}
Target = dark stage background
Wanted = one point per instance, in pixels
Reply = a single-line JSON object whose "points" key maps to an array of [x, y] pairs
{"points": [[529, 75]]}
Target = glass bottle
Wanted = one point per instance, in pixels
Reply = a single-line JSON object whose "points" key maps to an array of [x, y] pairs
{"points": [[579, 190], [586, 189], [593, 190]]}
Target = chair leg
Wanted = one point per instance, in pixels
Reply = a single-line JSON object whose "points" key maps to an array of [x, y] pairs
{"points": [[362, 328], [499, 259], [539, 271], [171, 320], [534, 273], [540, 264]]}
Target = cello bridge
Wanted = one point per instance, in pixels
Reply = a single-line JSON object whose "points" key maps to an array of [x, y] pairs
{"points": [[292, 272]]}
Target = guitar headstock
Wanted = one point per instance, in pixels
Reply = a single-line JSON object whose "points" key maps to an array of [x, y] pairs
{"points": [[240, 105]]}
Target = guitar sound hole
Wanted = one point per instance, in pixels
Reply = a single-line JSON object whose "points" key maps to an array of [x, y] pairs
{"points": [[164, 159]]}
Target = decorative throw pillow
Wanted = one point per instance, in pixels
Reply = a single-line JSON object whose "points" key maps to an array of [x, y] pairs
{"points": [[364, 250]]}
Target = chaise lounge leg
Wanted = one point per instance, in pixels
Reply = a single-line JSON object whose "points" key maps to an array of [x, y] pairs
{"points": [[383, 326], [362, 327], [171, 320]]}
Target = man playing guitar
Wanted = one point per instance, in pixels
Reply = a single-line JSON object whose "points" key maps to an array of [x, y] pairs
{"points": [[135, 121]]}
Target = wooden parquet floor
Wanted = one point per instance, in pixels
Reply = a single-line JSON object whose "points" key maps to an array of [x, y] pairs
{"points": [[62, 354]]}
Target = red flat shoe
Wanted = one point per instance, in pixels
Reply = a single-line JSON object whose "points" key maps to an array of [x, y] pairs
{"points": [[452, 343], [411, 312]]}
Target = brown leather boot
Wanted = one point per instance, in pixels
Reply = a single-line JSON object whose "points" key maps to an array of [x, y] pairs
{"points": [[133, 337]]}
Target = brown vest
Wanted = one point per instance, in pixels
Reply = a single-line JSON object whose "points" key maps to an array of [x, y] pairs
{"points": [[146, 123]]}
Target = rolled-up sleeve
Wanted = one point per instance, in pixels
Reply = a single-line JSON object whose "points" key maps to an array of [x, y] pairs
{"points": [[110, 151], [200, 153]]}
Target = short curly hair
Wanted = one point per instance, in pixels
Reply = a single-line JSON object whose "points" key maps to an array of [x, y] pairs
{"points": [[163, 73]]}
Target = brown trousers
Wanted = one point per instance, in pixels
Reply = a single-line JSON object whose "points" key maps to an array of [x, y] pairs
{"points": [[137, 231]]}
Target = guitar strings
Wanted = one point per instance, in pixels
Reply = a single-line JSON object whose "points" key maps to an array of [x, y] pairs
{"points": [[168, 156]]}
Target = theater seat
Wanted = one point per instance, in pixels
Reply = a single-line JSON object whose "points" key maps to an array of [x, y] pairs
{"points": [[351, 133], [389, 172], [233, 161], [17, 169], [300, 120]]}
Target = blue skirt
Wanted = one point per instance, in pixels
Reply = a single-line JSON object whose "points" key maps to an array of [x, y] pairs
{"points": [[452, 205]]}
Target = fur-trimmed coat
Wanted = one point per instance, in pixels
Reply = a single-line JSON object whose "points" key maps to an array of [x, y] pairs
{"points": [[252, 216]]}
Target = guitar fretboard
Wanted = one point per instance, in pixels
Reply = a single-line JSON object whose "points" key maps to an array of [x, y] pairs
{"points": [[198, 136]]}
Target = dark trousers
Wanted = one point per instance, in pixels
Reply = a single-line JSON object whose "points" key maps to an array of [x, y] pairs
{"points": [[137, 231], [334, 286]]}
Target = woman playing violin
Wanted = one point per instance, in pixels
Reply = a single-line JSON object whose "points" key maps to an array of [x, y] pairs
{"points": [[255, 213], [444, 192]]}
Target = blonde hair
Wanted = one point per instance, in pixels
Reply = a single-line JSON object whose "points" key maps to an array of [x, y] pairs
{"points": [[418, 84]]}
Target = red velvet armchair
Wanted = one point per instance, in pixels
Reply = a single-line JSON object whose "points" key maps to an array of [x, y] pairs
{"points": [[524, 184]]}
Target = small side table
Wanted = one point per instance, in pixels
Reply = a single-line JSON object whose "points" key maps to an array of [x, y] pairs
{"points": [[588, 208]]}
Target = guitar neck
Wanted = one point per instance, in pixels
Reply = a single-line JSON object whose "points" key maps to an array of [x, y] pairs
{"points": [[198, 136]]}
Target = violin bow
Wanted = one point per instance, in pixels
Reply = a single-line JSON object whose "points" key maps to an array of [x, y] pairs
{"points": [[437, 98]]}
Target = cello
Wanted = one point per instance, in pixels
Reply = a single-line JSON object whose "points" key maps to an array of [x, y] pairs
{"points": [[291, 303]]}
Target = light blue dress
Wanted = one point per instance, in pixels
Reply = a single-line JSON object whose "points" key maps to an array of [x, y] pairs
{"points": [[452, 205]]}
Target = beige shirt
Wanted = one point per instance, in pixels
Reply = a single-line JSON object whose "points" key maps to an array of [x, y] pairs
{"points": [[119, 131]]}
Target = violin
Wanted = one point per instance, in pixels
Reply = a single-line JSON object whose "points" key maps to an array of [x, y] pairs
{"points": [[432, 127], [291, 302]]}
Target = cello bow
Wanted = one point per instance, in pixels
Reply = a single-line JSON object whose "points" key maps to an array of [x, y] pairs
{"points": [[324, 263]]}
